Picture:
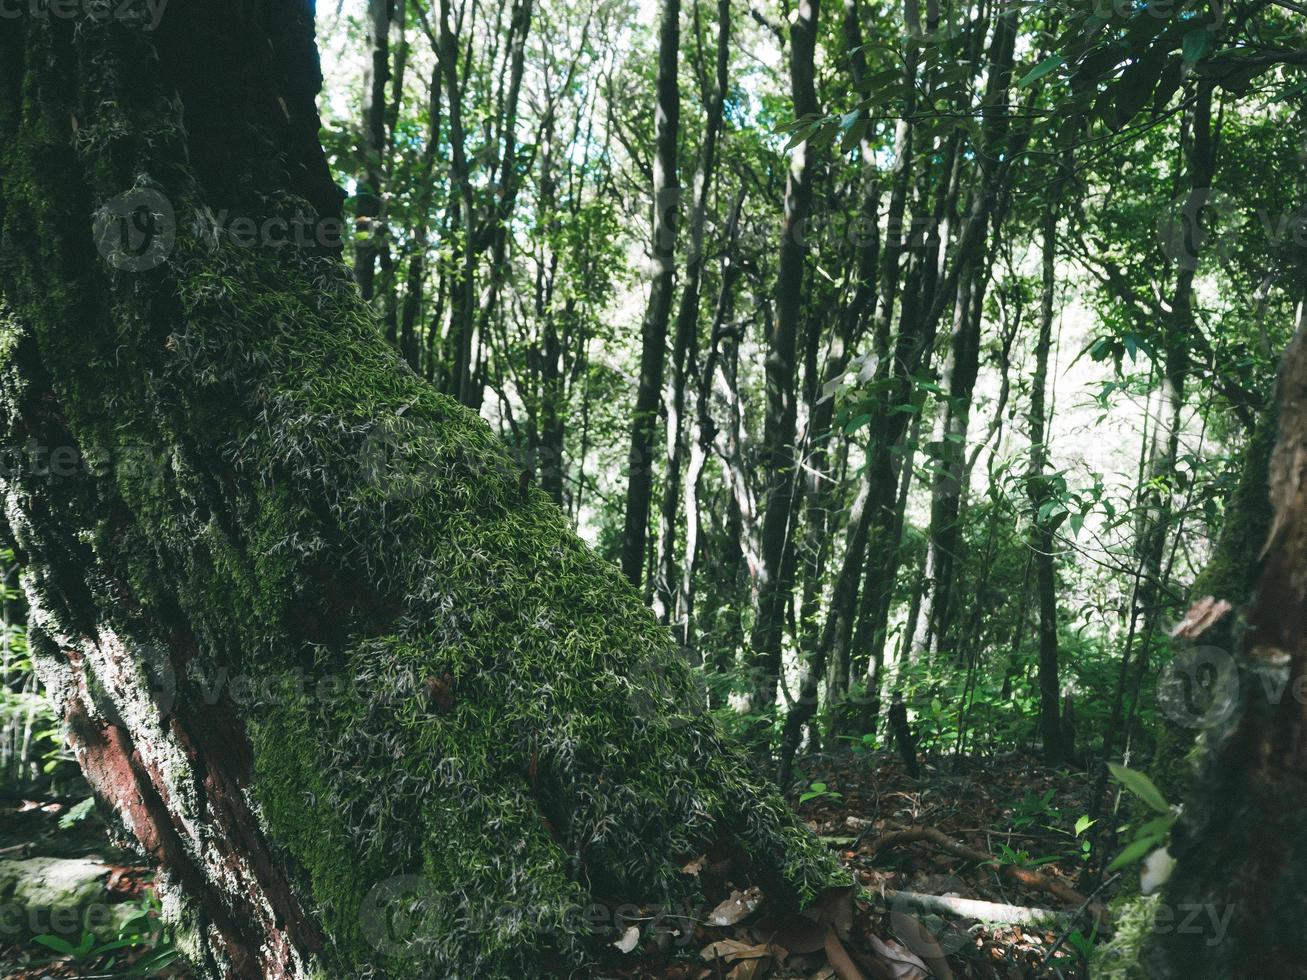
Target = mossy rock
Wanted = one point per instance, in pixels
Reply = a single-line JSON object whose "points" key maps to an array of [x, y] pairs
{"points": [[63, 897]]}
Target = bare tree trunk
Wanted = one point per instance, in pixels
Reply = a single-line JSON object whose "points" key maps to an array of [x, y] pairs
{"points": [[462, 292], [1041, 526], [844, 598], [775, 578], [371, 210], [687, 326], [1162, 452], [416, 283], [817, 643], [653, 332], [705, 432]]}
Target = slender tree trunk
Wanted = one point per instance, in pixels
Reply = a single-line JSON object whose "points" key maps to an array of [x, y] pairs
{"points": [[318, 649], [462, 292], [775, 580], [416, 283], [844, 598], [1159, 465], [371, 210], [913, 345], [494, 235], [948, 450], [705, 426], [653, 331], [816, 642], [687, 325], [1041, 526], [1155, 522]]}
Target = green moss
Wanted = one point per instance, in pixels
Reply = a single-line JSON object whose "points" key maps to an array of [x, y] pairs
{"points": [[1230, 574], [1132, 924], [271, 482]]}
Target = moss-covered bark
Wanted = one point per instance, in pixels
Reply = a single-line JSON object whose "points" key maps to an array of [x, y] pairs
{"points": [[314, 640], [1237, 898], [1230, 575]]}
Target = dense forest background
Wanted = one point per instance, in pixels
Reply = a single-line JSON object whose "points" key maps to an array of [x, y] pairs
{"points": [[915, 361], [946, 403]]}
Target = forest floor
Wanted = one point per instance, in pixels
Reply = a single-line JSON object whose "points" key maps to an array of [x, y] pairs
{"points": [[901, 837]]}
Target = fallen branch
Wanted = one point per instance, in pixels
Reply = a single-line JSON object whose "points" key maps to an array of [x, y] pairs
{"points": [[998, 913], [1022, 876]]}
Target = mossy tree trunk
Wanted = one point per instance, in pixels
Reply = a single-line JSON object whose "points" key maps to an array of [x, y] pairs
{"points": [[315, 642], [1236, 901]]}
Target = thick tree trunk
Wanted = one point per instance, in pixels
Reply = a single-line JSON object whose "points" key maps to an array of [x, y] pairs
{"points": [[1240, 842], [330, 663]]}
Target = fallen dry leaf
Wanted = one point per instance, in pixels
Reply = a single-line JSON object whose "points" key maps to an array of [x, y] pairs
{"points": [[630, 939], [903, 964], [737, 907], [797, 933], [750, 970], [732, 951]]}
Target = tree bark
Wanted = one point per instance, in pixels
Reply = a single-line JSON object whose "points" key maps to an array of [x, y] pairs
{"points": [[330, 663], [371, 211], [653, 332], [1041, 527], [1239, 844], [462, 292], [775, 578], [687, 326], [417, 262]]}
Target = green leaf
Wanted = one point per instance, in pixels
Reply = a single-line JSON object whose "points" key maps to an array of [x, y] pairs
{"points": [[1139, 784], [1196, 44], [77, 813], [1137, 83], [1083, 824], [1051, 63], [1290, 92], [1157, 827], [1133, 852], [56, 943], [856, 423]]}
